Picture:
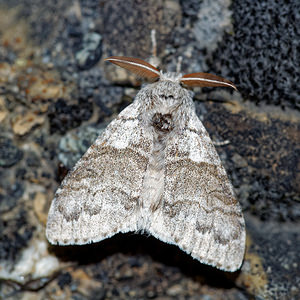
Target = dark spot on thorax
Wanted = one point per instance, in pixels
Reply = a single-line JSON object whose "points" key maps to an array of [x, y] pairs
{"points": [[163, 123]]}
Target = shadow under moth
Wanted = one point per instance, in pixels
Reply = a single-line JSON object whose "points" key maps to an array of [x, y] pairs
{"points": [[155, 170]]}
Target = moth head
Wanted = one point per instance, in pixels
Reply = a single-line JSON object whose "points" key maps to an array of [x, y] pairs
{"points": [[146, 70]]}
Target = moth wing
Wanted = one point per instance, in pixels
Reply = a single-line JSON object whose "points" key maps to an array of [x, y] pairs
{"points": [[199, 211], [99, 197]]}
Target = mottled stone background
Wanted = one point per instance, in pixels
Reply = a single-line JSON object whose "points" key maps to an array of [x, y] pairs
{"points": [[57, 95]]}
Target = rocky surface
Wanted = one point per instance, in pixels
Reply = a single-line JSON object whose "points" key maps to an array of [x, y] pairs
{"points": [[57, 95]]}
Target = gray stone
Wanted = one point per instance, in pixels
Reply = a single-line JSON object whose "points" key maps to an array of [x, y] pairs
{"points": [[91, 51], [9, 153]]}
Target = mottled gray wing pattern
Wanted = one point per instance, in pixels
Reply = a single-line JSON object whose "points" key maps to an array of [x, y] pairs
{"points": [[199, 212], [99, 197]]}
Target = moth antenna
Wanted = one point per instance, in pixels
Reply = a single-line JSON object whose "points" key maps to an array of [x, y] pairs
{"points": [[136, 66], [154, 60], [153, 41], [205, 80], [178, 66]]}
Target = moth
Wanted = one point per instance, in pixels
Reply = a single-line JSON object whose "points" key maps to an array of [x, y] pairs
{"points": [[155, 170]]}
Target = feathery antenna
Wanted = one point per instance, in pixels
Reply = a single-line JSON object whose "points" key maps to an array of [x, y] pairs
{"points": [[205, 80], [135, 65]]}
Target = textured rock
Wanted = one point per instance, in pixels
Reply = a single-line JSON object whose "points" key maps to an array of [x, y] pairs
{"points": [[3, 110], [9, 153], [261, 54], [23, 124], [64, 116], [91, 51], [214, 19], [132, 21], [35, 262], [271, 268]]}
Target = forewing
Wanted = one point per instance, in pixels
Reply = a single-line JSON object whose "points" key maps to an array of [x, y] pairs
{"points": [[99, 197], [199, 212]]}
